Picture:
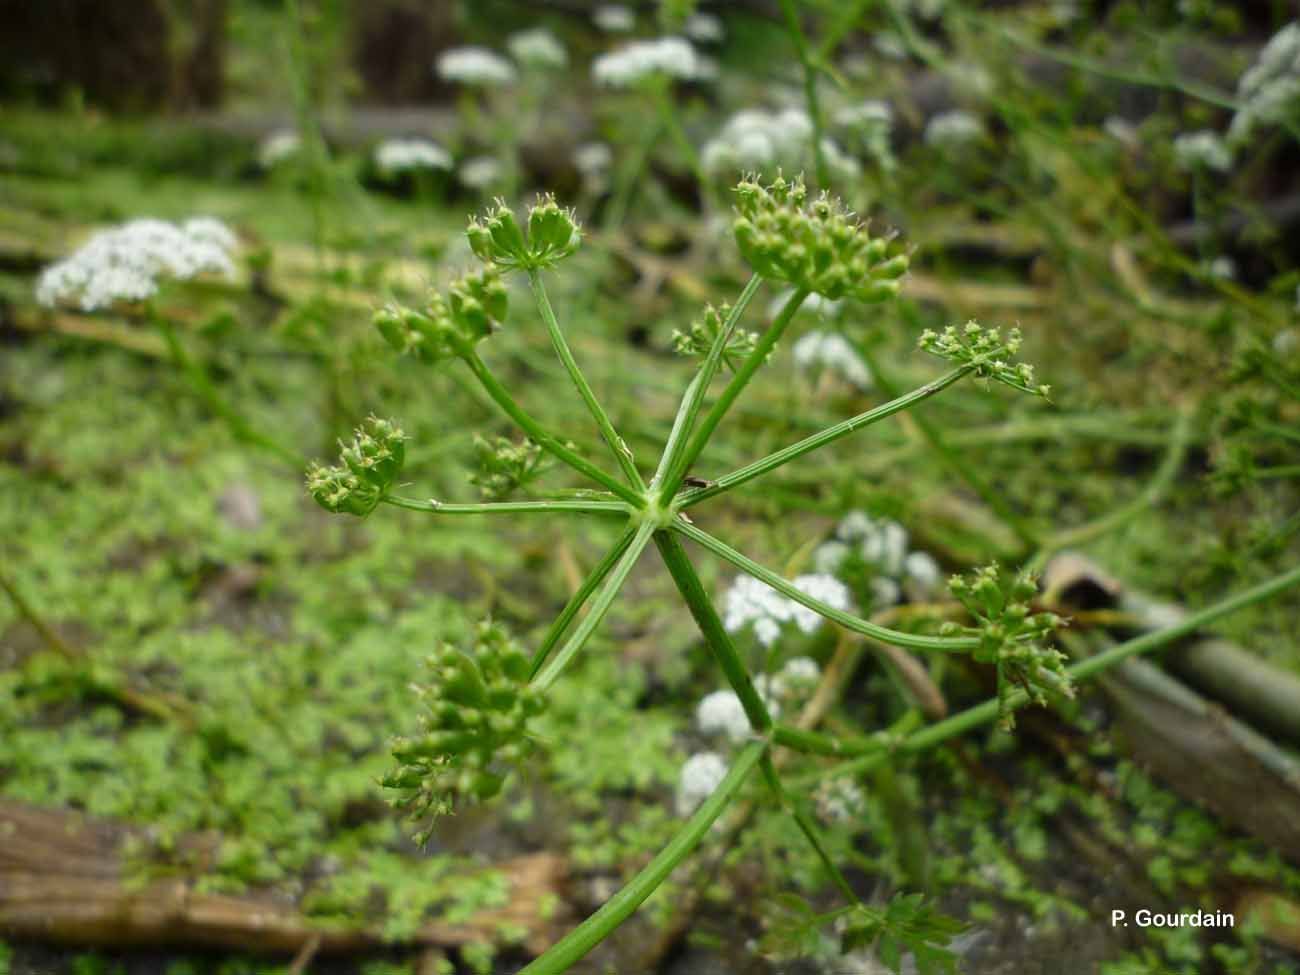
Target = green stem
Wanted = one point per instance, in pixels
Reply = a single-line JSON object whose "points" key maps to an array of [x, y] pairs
{"points": [[207, 392], [819, 743], [677, 132], [772, 461], [955, 461], [983, 714], [579, 599], [715, 635], [693, 398], [791, 14], [591, 932], [700, 437], [806, 826], [509, 507], [604, 599], [541, 437], [622, 453], [847, 620]]}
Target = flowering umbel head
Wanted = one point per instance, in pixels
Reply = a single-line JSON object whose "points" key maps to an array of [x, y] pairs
{"points": [[370, 465], [1010, 637], [818, 246], [449, 326], [704, 331], [474, 724], [552, 235], [986, 350]]}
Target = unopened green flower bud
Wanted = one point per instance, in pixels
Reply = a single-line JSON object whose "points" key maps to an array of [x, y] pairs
{"points": [[496, 236], [704, 331], [986, 350]]}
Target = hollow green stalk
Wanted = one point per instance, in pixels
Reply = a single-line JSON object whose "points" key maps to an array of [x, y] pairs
{"points": [[793, 452], [693, 398], [591, 932], [550, 672], [510, 507], [897, 638], [622, 453], [539, 435], [715, 635], [987, 712], [579, 599], [700, 437]]}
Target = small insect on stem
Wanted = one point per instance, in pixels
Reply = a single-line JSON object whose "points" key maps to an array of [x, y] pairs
{"points": [[690, 480]]}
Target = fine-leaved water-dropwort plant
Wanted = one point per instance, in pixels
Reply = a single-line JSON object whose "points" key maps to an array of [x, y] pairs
{"points": [[477, 703]]}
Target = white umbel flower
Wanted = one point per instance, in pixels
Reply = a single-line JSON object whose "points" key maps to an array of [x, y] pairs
{"points": [[826, 588], [871, 114], [1202, 150], [750, 602], [126, 263], [703, 28], [701, 774], [756, 139], [405, 155], [537, 48], [481, 172], [953, 130], [277, 147], [722, 713], [633, 63], [593, 158], [800, 672], [1269, 91], [921, 569], [475, 66], [830, 351], [614, 18]]}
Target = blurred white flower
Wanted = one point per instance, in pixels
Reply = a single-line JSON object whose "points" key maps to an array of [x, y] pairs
{"points": [[277, 147], [721, 712], [754, 138], [593, 158], [800, 672], [701, 774], [703, 28], [635, 62], [126, 263], [402, 155], [537, 48], [865, 115], [953, 130], [1269, 91], [820, 586], [1202, 150], [922, 569], [817, 351], [1121, 130], [1223, 267], [885, 546], [839, 800], [475, 66], [751, 602], [481, 172], [614, 18], [1287, 341], [829, 556]]}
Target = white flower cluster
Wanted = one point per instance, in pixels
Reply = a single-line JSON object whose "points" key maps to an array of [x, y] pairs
{"points": [[126, 262], [871, 114], [722, 713], [1202, 150], [1269, 91], [537, 48], [277, 147], [953, 130], [480, 172], [614, 18], [703, 28], [881, 544], [403, 155], [756, 139], [475, 66], [750, 601], [839, 800], [633, 63], [831, 352], [592, 159], [700, 775]]}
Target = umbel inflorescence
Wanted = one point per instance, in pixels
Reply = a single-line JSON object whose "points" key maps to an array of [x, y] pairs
{"points": [[476, 705]]}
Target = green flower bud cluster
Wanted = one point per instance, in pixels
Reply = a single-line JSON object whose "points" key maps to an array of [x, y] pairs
{"points": [[476, 709], [370, 465], [450, 326], [506, 466], [1011, 636], [699, 338], [987, 351], [552, 235], [817, 245]]}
